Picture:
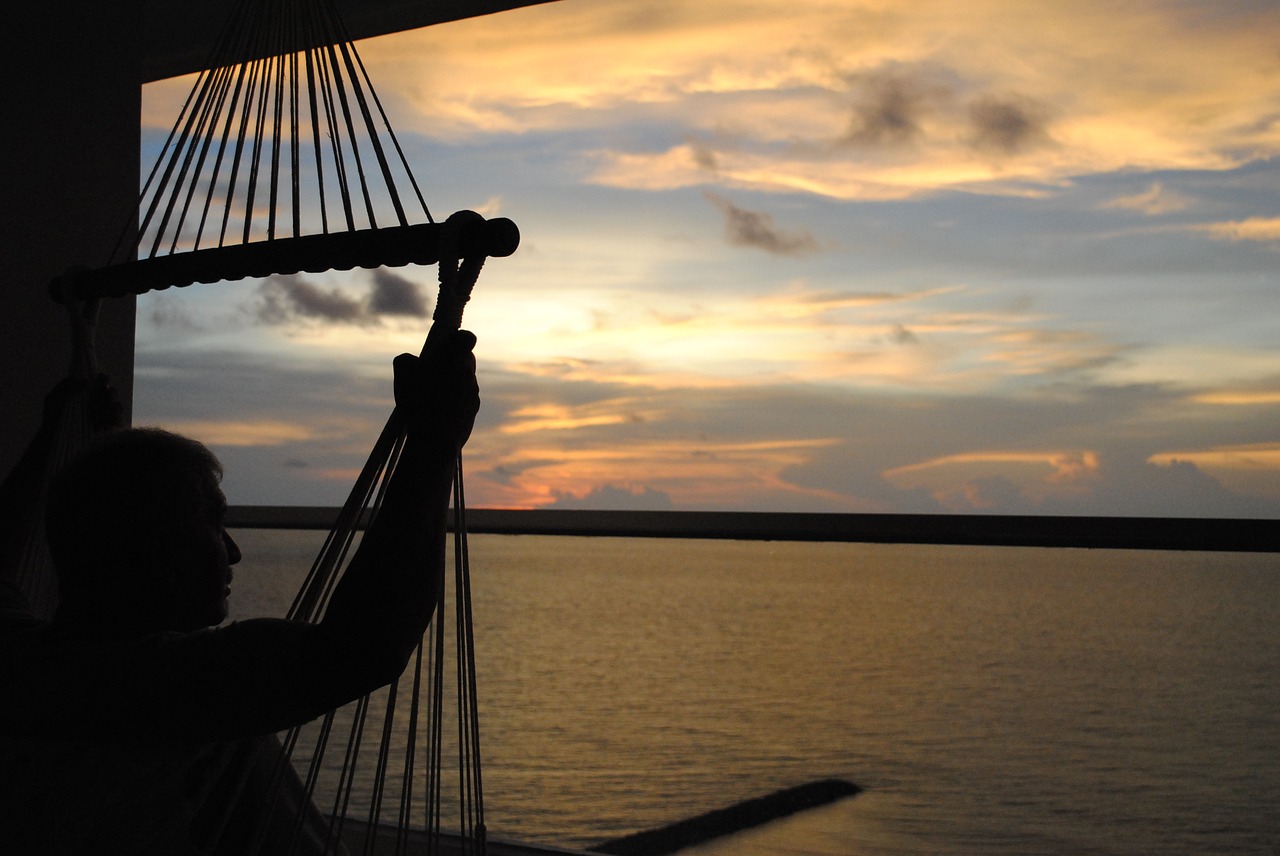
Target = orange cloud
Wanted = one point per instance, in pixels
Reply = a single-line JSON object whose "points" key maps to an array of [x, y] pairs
{"points": [[1239, 398], [1251, 456], [554, 418], [960, 482], [922, 338], [696, 475], [1253, 229], [777, 95], [1040, 351], [1252, 469], [1154, 200], [1062, 465]]}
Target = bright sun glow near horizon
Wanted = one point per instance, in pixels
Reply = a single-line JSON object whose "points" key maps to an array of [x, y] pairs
{"points": [[987, 257]]}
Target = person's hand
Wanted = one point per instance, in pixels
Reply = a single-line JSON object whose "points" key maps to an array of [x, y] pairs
{"points": [[439, 395]]}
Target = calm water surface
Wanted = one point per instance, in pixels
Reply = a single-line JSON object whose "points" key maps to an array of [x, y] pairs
{"points": [[989, 700]]}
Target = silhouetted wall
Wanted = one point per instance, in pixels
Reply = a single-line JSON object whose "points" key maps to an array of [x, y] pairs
{"points": [[69, 151]]}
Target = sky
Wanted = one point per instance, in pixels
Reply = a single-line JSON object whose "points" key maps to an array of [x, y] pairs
{"points": [[991, 257]]}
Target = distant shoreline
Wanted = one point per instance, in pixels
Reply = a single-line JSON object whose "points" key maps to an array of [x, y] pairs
{"points": [[1134, 533]]}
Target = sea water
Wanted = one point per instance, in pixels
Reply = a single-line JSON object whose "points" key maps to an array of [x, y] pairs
{"points": [[988, 700]]}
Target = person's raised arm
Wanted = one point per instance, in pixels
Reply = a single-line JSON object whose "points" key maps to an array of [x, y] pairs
{"points": [[385, 600], [263, 675]]}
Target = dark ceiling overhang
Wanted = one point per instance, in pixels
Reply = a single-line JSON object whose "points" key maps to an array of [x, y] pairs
{"points": [[178, 37]]}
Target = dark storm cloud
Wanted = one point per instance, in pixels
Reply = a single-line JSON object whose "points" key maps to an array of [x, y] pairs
{"points": [[286, 299], [1005, 126], [887, 112], [744, 228], [895, 108], [168, 314], [393, 294]]}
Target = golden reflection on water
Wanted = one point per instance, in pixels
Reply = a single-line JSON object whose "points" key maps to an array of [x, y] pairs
{"points": [[991, 700]]}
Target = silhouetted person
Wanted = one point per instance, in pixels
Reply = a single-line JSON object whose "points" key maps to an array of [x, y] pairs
{"points": [[116, 716]]}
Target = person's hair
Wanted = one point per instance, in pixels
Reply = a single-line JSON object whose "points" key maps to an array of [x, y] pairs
{"points": [[116, 500]]}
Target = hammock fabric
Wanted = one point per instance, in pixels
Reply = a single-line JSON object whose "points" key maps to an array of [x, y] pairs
{"points": [[285, 162], [77, 411]]}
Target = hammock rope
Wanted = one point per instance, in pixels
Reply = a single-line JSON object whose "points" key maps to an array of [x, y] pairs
{"points": [[226, 154], [82, 414], [241, 138], [411, 720]]}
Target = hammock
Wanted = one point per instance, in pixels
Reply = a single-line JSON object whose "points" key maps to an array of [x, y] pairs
{"points": [[76, 412], [282, 160]]}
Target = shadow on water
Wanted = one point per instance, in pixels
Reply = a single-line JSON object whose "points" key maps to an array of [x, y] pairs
{"points": [[726, 821]]}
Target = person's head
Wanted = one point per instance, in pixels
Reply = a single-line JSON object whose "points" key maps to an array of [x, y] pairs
{"points": [[135, 531]]}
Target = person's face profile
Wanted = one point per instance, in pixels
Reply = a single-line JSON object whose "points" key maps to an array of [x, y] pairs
{"points": [[197, 561]]}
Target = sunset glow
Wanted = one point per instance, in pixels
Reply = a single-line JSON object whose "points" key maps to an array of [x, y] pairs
{"points": [[869, 256]]}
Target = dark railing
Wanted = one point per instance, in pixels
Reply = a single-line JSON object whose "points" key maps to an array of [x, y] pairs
{"points": [[1138, 533]]}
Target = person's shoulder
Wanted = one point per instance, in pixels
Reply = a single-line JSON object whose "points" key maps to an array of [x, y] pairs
{"points": [[12, 596], [15, 610]]}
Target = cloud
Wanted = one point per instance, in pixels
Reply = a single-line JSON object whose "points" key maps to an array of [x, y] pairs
{"points": [[745, 228], [264, 414], [1092, 451], [559, 418], [627, 353], [909, 107], [887, 113], [1250, 469], [1239, 397], [1155, 200], [703, 155], [1051, 351], [614, 497], [242, 433], [902, 336], [1131, 86], [986, 495], [1251, 456], [1060, 465], [1178, 489], [1260, 229], [171, 316], [930, 98], [1005, 126], [742, 445], [289, 299], [798, 301], [1122, 488], [998, 481], [393, 294], [286, 298]]}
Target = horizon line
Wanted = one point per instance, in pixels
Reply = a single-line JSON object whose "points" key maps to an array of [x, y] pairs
{"points": [[1201, 534]]}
